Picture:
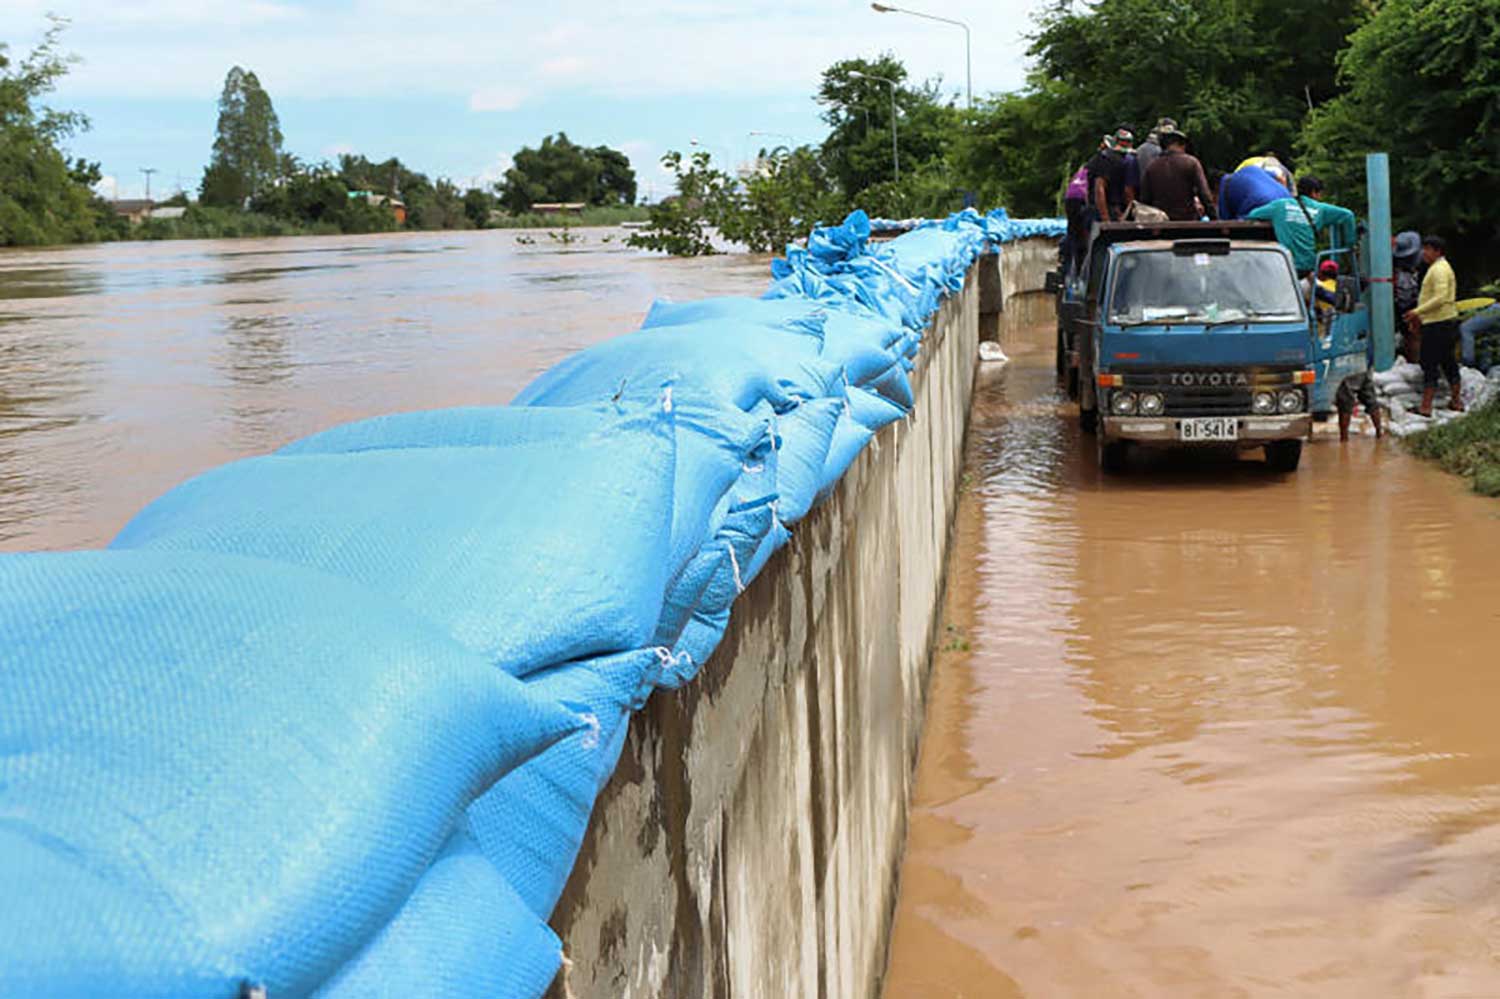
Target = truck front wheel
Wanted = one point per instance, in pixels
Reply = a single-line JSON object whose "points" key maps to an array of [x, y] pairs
{"points": [[1111, 455], [1284, 456]]}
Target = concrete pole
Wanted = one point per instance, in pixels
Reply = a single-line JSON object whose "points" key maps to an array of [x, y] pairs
{"points": [[1382, 290]]}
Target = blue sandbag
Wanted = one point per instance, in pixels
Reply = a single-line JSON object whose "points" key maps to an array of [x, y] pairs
{"points": [[713, 441], [460, 426], [871, 410], [463, 934], [637, 365], [867, 349], [222, 770], [531, 823], [729, 563], [833, 243], [526, 559], [806, 434], [849, 439]]}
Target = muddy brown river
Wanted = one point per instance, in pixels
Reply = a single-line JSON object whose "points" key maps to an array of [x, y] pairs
{"points": [[127, 367], [1205, 731]]}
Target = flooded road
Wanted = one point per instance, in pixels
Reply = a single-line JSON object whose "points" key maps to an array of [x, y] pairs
{"points": [[127, 367], [1206, 731]]}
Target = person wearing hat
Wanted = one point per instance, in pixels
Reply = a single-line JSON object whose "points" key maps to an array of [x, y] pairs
{"points": [[1436, 316], [1107, 176], [1175, 178], [1257, 181], [1149, 150], [1406, 254]]}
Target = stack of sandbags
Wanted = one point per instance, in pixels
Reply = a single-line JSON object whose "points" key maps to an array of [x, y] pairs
{"points": [[1400, 390]]}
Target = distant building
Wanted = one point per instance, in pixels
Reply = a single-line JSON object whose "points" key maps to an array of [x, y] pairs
{"points": [[168, 212], [397, 206], [135, 210], [559, 207]]}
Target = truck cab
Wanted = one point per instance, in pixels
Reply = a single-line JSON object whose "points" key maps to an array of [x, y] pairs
{"points": [[1189, 334]]}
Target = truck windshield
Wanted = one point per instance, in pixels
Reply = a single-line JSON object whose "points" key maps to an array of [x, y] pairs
{"points": [[1160, 287]]}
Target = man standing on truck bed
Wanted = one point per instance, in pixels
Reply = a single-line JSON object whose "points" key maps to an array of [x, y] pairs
{"points": [[1106, 170], [1174, 178], [1437, 317]]}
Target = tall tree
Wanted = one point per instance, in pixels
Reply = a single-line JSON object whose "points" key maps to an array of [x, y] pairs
{"points": [[247, 157], [1423, 79], [561, 170], [1238, 75], [43, 197], [857, 107]]}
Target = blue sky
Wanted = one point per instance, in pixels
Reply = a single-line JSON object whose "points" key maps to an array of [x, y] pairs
{"points": [[454, 88]]}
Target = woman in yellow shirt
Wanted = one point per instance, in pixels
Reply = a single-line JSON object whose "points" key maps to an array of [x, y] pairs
{"points": [[1437, 317]]}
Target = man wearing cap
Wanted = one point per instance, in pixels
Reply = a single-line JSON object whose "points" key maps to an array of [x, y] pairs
{"points": [[1106, 171], [1175, 178], [1147, 152]]}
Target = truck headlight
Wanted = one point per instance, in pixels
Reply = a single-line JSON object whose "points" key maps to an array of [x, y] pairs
{"points": [[1151, 404], [1122, 403], [1263, 403], [1290, 401]]}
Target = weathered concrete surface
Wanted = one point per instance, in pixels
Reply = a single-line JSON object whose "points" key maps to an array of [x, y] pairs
{"points": [[1013, 289], [749, 843]]}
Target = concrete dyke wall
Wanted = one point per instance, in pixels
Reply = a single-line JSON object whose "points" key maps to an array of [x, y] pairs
{"points": [[749, 842], [1014, 294]]}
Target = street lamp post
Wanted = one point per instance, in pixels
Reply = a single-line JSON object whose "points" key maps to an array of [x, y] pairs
{"points": [[895, 149], [881, 8]]}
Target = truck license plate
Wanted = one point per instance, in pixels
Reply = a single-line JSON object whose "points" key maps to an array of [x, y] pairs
{"points": [[1209, 428]]}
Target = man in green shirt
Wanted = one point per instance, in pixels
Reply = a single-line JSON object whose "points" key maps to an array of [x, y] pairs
{"points": [[1300, 220]]}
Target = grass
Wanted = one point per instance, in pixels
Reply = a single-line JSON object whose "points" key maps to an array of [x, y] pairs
{"points": [[1469, 446]]}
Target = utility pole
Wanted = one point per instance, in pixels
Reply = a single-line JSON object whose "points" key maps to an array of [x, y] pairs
{"points": [[881, 8], [148, 171]]}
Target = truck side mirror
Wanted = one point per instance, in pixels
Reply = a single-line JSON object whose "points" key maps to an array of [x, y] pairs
{"points": [[1054, 282]]}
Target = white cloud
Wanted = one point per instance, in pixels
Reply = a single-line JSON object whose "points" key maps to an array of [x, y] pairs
{"points": [[497, 99], [339, 149], [564, 66], [497, 53], [495, 172]]}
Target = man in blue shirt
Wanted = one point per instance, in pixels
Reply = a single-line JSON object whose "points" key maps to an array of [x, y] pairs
{"points": [[1247, 189]]}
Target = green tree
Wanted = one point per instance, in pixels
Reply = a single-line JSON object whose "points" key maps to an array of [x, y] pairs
{"points": [[1238, 75], [682, 224], [561, 170], [1423, 83], [478, 203], [43, 197], [857, 109], [788, 193], [247, 157]]}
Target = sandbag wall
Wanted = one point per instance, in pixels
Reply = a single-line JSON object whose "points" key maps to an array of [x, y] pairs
{"points": [[333, 720]]}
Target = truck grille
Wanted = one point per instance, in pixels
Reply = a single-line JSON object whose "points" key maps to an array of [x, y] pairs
{"points": [[1208, 391]]}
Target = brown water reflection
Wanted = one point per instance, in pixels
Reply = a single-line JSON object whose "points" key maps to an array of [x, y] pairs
{"points": [[1215, 732], [125, 368]]}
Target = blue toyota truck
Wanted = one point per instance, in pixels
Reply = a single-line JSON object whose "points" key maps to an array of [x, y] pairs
{"points": [[1189, 334]]}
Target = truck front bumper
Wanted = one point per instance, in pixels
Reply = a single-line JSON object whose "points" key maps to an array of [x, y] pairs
{"points": [[1253, 430]]}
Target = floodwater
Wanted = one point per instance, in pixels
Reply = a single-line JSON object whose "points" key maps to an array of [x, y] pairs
{"points": [[127, 367], [1203, 730]]}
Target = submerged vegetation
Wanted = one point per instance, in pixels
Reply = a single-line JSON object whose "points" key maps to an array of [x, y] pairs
{"points": [[1469, 446]]}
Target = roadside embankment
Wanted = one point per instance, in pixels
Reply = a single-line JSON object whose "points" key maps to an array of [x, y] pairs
{"points": [[444, 626], [1468, 446], [749, 841]]}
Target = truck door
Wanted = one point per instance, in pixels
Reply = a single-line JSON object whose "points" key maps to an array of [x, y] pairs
{"points": [[1341, 334]]}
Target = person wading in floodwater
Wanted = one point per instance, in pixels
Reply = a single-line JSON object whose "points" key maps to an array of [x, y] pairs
{"points": [[1436, 316]]}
